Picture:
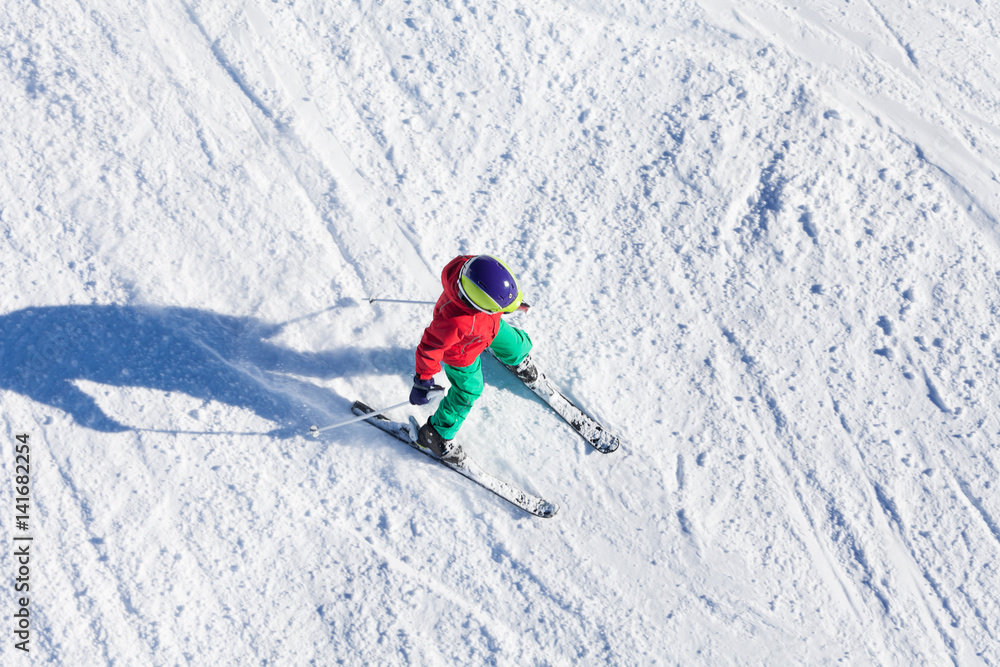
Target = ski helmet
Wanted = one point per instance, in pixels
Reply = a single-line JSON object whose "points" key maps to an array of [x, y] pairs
{"points": [[489, 285]]}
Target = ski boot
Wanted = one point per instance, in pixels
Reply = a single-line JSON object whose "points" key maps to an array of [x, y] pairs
{"points": [[448, 451], [526, 371]]}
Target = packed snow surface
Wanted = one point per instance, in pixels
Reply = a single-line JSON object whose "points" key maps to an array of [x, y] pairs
{"points": [[761, 242]]}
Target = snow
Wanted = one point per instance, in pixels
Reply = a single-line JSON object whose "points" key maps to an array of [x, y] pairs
{"points": [[761, 242]]}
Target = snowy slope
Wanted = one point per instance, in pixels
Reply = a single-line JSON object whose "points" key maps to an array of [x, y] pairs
{"points": [[761, 242]]}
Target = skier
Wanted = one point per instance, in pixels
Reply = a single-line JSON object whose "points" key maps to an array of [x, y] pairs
{"points": [[478, 291]]}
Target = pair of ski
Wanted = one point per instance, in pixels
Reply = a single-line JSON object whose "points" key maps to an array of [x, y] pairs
{"points": [[588, 427]]}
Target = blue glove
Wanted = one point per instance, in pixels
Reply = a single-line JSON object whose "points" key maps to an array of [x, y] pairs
{"points": [[418, 395]]}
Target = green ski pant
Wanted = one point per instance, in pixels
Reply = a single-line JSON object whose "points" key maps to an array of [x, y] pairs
{"points": [[511, 346]]}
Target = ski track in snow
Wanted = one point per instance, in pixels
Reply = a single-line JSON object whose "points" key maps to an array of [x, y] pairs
{"points": [[761, 242]]}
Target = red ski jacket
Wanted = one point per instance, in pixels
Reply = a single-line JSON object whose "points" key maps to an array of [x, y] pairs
{"points": [[459, 333]]}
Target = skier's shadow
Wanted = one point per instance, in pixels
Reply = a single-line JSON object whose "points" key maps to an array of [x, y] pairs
{"points": [[199, 353]]}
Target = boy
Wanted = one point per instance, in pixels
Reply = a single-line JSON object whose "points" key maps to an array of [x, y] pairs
{"points": [[478, 291]]}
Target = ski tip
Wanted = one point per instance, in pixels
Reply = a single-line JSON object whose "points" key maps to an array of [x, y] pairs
{"points": [[606, 442], [548, 510], [609, 447]]}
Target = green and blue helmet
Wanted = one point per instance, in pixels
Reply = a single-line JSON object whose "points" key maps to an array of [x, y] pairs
{"points": [[489, 285]]}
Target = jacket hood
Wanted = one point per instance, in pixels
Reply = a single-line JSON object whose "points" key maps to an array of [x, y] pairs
{"points": [[449, 283]]}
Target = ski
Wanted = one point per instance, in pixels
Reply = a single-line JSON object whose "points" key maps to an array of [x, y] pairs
{"points": [[592, 430], [468, 467]]}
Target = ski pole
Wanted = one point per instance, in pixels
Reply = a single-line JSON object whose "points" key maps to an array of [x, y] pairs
{"points": [[523, 308], [373, 299], [315, 430]]}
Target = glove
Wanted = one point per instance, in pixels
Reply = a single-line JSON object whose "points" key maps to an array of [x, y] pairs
{"points": [[418, 395]]}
